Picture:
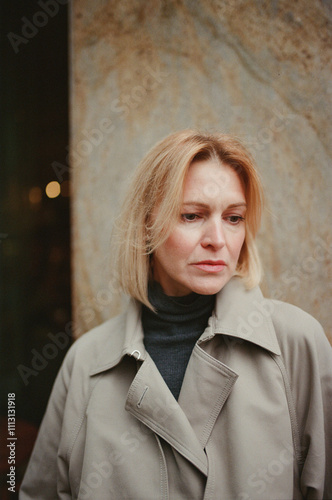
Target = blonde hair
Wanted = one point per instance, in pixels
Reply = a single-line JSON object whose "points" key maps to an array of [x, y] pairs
{"points": [[158, 182]]}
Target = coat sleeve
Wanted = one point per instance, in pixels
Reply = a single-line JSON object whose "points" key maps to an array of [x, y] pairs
{"points": [[307, 356], [41, 477], [316, 421]]}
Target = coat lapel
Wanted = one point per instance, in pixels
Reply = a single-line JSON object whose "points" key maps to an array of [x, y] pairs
{"points": [[205, 389], [151, 402], [241, 316]]}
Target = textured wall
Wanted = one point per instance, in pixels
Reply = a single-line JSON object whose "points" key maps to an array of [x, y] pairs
{"points": [[259, 70]]}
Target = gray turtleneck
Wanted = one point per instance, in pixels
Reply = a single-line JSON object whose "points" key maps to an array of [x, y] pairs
{"points": [[171, 333]]}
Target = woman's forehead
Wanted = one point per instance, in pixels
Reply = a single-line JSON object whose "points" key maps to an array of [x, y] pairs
{"points": [[208, 180]]}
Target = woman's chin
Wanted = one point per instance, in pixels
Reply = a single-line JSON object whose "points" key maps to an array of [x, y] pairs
{"points": [[209, 288]]}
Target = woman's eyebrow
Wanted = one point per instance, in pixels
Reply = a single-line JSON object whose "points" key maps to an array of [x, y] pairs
{"points": [[196, 204], [206, 205], [235, 205]]}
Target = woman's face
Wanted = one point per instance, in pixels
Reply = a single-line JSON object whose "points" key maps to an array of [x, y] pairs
{"points": [[202, 251]]}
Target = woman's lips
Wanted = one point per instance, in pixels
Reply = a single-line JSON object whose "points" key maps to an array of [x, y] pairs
{"points": [[210, 266]]}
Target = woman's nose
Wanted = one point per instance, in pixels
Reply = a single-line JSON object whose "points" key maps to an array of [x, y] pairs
{"points": [[214, 235]]}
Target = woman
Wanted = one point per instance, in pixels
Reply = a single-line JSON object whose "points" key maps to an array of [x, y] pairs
{"points": [[201, 388]]}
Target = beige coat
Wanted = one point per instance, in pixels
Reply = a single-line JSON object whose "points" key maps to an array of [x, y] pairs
{"points": [[253, 420]]}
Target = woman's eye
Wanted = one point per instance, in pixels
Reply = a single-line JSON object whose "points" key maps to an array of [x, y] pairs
{"points": [[235, 219], [189, 217]]}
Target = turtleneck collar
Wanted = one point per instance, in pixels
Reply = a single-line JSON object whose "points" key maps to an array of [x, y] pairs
{"points": [[171, 332], [179, 310]]}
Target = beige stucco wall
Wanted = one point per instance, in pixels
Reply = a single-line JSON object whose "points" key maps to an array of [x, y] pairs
{"points": [[259, 70]]}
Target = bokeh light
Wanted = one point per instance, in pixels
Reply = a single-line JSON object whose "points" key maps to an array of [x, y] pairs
{"points": [[35, 195], [53, 189]]}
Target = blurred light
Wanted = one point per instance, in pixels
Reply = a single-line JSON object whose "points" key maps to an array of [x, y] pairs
{"points": [[52, 189], [65, 188], [35, 195]]}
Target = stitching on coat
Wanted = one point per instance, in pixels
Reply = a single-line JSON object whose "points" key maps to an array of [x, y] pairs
{"points": [[216, 410], [291, 408], [139, 404], [232, 377], [163, 471], [78, 426], [211, 477], [225, 370], [161, 430], [153, 423], [135, 383]]}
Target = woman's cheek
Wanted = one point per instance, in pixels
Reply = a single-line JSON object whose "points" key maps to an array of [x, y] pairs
{"points": [[235, 242], [184, 238]]}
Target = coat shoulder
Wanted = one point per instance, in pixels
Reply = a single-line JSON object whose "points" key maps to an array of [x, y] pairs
{"points": [[295, 327], [294, 317], [87, 350], [97, 336]]}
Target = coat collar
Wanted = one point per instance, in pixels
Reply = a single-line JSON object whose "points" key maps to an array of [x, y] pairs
{"points": [[125, 338], [244, 315]]}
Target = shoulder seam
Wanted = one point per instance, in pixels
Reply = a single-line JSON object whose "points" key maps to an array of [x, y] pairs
{"points": [[291, 407]]}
